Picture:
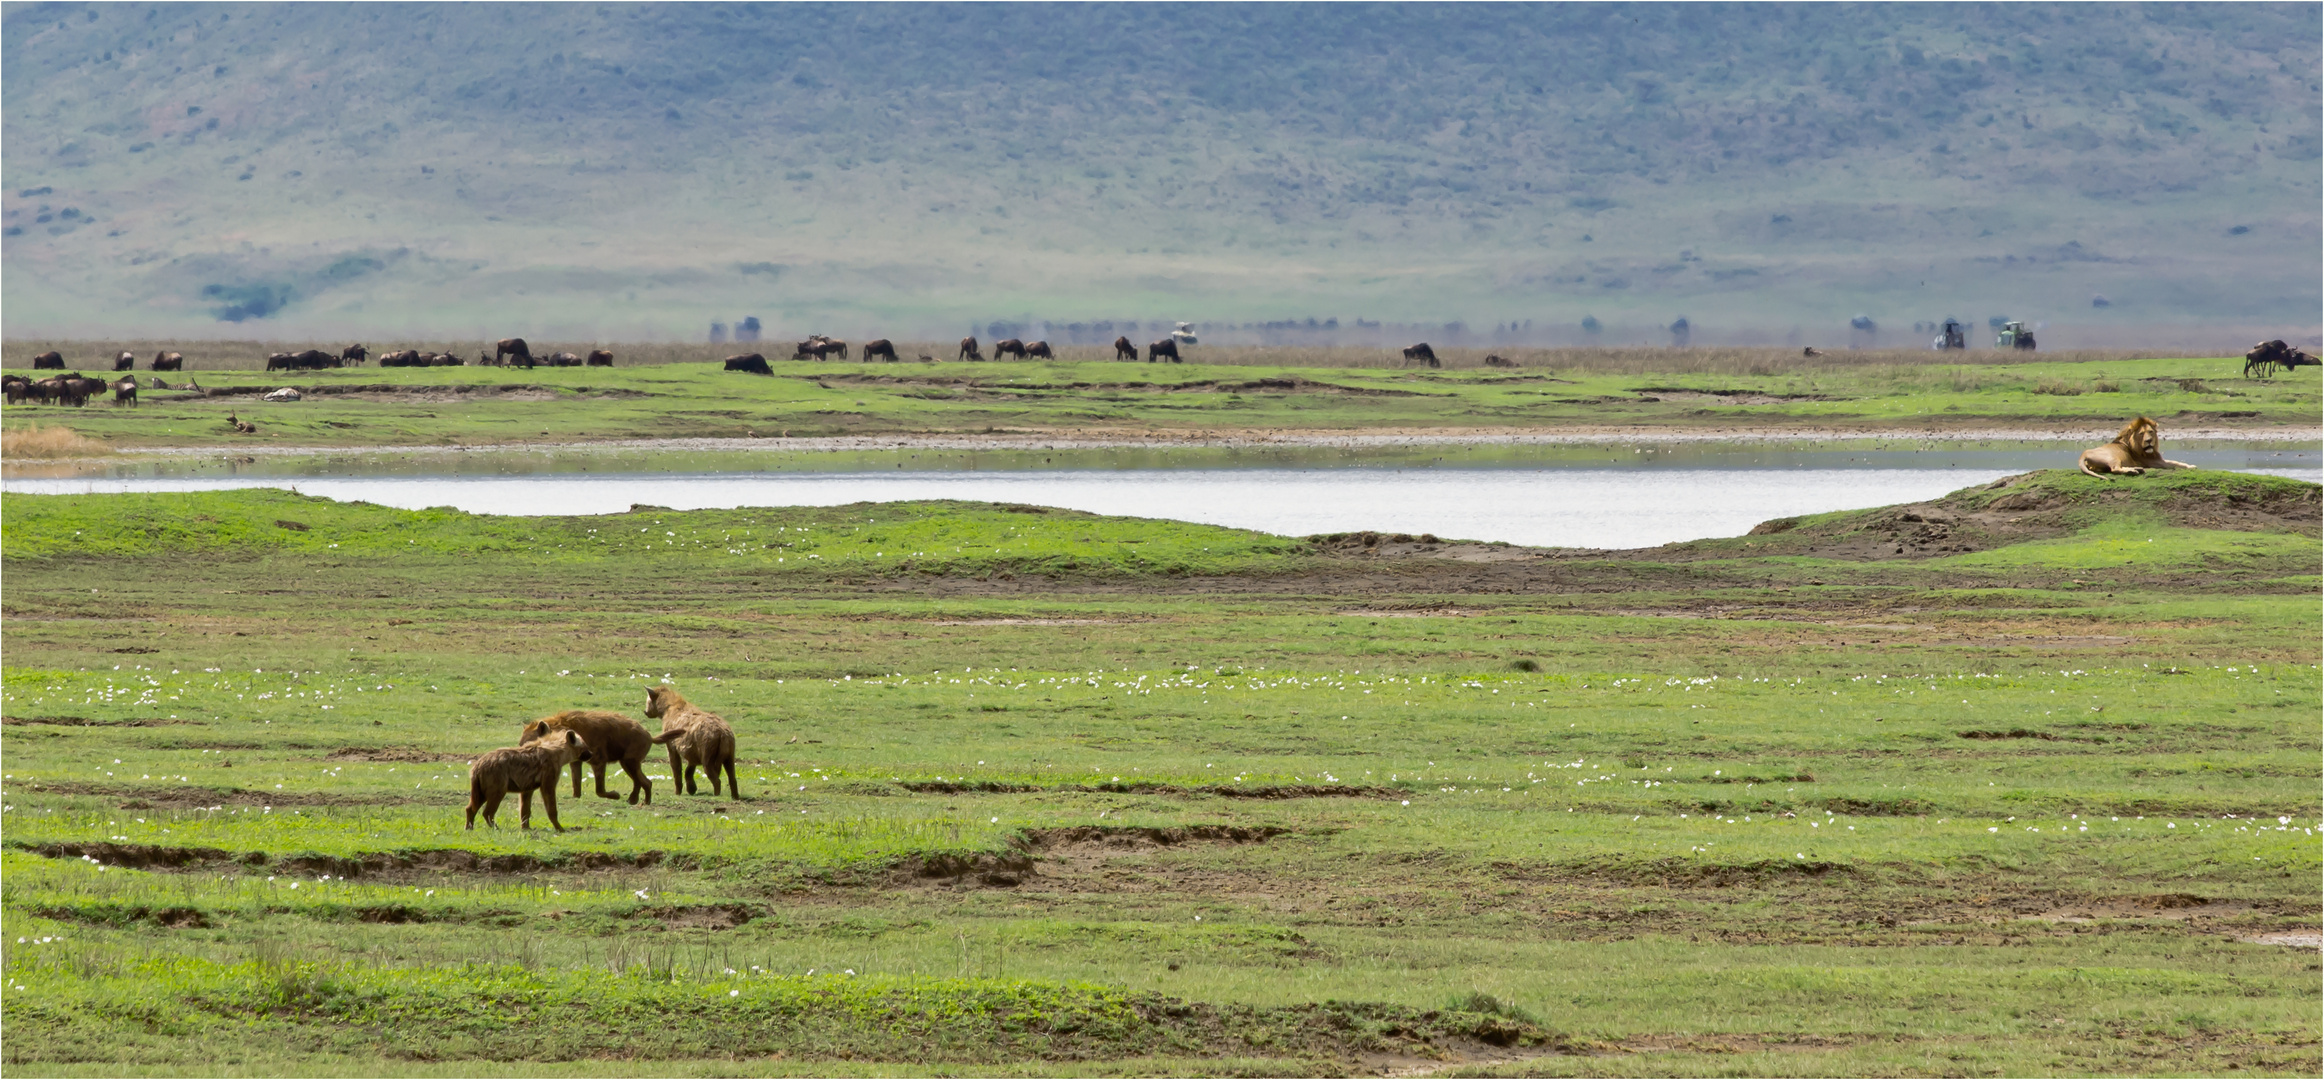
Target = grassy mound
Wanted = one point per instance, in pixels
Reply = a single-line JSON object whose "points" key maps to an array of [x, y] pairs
{"points": [[937, 537], [2044, 505]]}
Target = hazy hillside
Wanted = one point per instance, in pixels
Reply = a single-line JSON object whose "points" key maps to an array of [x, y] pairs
{"points": [[628, 171]]}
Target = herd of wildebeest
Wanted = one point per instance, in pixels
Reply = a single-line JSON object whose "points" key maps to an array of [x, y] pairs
{"points": [[2263, 361], [695, 738]]}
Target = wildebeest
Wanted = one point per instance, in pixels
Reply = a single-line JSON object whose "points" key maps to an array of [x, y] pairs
{"points": [[169, 361], [1811, 351], [402, 358], [968, 350], [600, 358], [443, 359], [1123, 350], [15, 388], [878, 348], [1499, 361], [127, 361], [515, 347], [1421, 352], [49, 361], [750, 362], [810, 349], [308, 360], [2265, 357], [1039, 350], [1164, 347], [1009, 347], [125, 392], [83, 388], [523, 769], [563, 359], [354, 354], [833, 345]]}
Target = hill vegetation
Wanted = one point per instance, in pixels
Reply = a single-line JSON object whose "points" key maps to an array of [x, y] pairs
{"points": [[642, 171]]}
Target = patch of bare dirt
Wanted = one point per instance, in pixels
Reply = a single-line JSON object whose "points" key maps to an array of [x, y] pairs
{"points": [[394, 392], [701, 916], [392, 753], [377, 864], [2298, 939], [193, 797], [83, 721]]}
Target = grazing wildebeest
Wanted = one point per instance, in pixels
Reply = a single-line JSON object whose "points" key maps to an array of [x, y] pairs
{"points": [[877, 348], [127, 361], [968, 349], [70, 389], [49, 361], [751, 362], [354, 354], [600, 358], [828, 346], [1009, 347], [15, 388], [2265, 357], [402, 358], [515, 347], [1421, 352], [169, 361], [1162, 348], [125, 392], [1039, 350], [308, 360], [1123, 350]]}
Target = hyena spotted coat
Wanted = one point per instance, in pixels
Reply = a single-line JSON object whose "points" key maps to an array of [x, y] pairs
{"points": [[694, 737], [521, 769]]}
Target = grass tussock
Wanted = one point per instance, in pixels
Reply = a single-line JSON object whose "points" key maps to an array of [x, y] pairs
{"points": [[54, 441]]}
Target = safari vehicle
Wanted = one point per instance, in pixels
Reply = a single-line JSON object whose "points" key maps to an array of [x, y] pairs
{"points": [[2014, 335], [1951, 336]]}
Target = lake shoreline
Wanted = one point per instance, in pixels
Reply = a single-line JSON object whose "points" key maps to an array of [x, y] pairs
{"points": [[1382, 439]]}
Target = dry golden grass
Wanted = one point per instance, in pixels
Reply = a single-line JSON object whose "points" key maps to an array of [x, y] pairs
{"points": [[97, 356], [35, 441]]}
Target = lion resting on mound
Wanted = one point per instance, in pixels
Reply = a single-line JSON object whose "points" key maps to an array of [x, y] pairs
{"points": [[612, 737], [521, 769], [2135, 449], [699, 737]]}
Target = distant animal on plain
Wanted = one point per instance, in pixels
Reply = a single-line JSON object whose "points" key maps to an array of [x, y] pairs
{"points": [[402, 358], [1811, 351], [613, 738], [444, 360], [1161, 348], [968, 349], [563, 359], [927, 359], [169, 361], [354, 354], [127, 361], [879, 348], [125, 393], [600, 358], [813, 348], [49, 361], [750, 362], [80, 388], [2135, 449], [833, 347], [241, 425], [1422, 352], [1499, 361], [158, 384], [1123, 350], [2265, 357], [696, 737], [523, 770], [306, 360], [515, 347], [1039, 350], [1009, 347], [15, 388]]}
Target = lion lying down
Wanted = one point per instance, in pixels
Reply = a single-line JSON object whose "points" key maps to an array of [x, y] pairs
{"points": [[2135, 449]]}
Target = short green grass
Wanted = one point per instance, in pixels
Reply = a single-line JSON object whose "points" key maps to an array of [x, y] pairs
{"points": [[1253, 809], [490, 406]]}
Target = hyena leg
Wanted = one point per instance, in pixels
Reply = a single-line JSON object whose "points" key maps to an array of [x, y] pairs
{"points": [[601, 792], [577, 780], [549, 805], [638, 784], [524, 808], [690, 788], [492, 808], [733, 786]]}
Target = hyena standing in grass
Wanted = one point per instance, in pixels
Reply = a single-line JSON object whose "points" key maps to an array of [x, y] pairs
{"points": [[613, 738], [697, 737], [521, 769]]}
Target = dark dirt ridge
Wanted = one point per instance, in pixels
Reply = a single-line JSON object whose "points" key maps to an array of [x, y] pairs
{"points": [[1292, 384], [1231, 791], [83, 721]]}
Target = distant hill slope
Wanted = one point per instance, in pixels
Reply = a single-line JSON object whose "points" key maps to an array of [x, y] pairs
{"points": [[645, 169]]}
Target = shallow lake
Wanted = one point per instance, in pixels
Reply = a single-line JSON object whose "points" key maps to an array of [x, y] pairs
{"points": [[1637, 504]]}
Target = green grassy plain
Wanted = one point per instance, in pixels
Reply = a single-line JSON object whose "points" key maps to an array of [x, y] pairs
{"points": [[1089, 795], [679, 392]]}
